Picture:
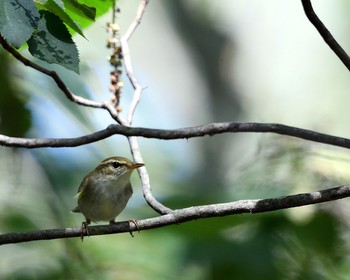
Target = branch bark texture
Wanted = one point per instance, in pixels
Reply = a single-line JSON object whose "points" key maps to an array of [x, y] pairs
{"points": [[182, 133], [187, 214]]}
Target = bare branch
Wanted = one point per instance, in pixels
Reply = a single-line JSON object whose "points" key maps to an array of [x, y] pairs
{"points": [[326, 35], [146, 185], [136, 22], [188, 214], [182, 133], [59, 82], [127, 60]]}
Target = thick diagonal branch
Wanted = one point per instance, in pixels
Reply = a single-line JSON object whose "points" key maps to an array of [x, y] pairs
{"points": [[324, 32], [187, 214]]}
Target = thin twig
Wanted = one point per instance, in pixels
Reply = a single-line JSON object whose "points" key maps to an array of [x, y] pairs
{"points": [[127, 60], [187, 214], [326, 35], [136, 22], [59, 82], [145, 181], [182, 133]]}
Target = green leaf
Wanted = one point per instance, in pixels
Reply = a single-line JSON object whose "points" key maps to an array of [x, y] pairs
{"points": [[57, 7], [100, 6], [53, 43], [81, 10], [18, 19]]}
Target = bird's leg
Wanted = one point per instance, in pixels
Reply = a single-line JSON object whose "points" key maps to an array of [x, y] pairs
{"points": [[112, 222], [84, 229]]}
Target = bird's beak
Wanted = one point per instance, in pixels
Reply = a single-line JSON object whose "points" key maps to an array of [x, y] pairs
{"points": [[135, 165]]}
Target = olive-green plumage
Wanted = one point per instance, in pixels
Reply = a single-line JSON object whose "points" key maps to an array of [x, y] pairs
{"points": [[104, 192]]}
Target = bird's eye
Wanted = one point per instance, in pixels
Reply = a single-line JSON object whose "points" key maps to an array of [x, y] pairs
{"points": [[115, 164]]}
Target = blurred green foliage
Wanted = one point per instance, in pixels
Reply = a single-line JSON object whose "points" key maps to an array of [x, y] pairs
{"points": [[14, 116]]}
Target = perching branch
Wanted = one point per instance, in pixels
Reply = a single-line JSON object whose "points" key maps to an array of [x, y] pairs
{"points": [[187, 214], [326, 35], [181, 133]]}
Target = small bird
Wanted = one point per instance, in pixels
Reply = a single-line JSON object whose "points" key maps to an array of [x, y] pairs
{"points": [[104, 192]]}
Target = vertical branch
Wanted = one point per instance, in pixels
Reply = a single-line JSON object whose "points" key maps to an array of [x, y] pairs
{"points": [[140, 11], [134, 146], [127, 60], [146, 186]]}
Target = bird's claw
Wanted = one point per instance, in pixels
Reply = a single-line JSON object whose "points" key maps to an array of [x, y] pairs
{"points": [[84, 230], [135, 222]]}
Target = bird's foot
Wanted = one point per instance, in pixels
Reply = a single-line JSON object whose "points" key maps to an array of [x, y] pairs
{"points": [[135, 222], [84, 230], [112, 222]]}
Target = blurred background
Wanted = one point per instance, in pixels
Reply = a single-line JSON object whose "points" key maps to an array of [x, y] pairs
{"points": [[201, 62]]}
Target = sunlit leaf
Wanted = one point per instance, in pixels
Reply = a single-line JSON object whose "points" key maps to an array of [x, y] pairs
{"points": [[82, 10], [57, 7]]}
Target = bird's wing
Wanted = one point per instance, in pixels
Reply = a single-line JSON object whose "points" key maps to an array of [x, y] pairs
{"points": [[83, 184], [76, 209]]}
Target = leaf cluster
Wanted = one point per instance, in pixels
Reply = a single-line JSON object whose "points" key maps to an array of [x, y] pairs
{"points": [[46, 26]]}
